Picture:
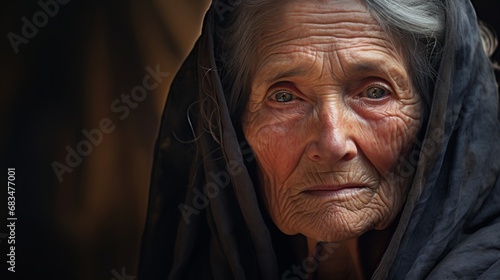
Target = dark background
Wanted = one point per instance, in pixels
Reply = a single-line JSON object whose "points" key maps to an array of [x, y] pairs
{"points": [[64, 80]]}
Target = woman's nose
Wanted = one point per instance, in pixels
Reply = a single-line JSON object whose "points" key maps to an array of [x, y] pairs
{"points": [[331, 138]]}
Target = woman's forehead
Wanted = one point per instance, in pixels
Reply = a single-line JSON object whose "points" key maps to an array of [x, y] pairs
{"points": [[354, 63], [332, 36], [323, 11]]}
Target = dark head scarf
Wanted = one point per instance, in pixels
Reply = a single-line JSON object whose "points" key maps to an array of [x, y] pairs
{"points": [[204, 218]]}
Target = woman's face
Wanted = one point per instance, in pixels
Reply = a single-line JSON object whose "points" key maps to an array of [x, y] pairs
{"points": [[330, 113]]}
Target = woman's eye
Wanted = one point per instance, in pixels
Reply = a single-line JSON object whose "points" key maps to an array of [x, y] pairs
{"points": [[376, 92], [283, 96]]}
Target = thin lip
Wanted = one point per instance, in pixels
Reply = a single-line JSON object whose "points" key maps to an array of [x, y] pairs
{"points": [[332, 188]]}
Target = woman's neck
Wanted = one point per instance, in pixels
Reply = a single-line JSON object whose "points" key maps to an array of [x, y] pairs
{"points": [[350, 259], [334, 260]]}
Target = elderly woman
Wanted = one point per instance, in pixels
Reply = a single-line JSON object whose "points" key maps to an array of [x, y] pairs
{"points": [[329, 140]]}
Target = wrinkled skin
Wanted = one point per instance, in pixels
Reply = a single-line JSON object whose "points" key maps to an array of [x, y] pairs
{"points": [[330, 113]]}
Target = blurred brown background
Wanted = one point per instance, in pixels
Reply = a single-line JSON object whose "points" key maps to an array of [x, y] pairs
{"points": [[65, 79], [68, 76]]}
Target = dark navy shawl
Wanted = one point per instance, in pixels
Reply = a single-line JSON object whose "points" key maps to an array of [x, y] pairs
{"points": [[449, 227]]}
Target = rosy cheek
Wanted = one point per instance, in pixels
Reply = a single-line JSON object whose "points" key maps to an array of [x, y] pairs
{"points": [[381, 153], [277, 148], [390, 141]]}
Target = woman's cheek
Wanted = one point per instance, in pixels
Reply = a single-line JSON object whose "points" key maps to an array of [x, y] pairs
{"points": [[391, 139], [384, 145], [276, 147]]}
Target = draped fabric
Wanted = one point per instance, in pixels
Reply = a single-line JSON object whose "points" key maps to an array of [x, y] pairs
{"points": [[204, 218]]}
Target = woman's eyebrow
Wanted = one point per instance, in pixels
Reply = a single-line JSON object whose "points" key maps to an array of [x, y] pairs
{"points": [[294, 72], [366, 67]]}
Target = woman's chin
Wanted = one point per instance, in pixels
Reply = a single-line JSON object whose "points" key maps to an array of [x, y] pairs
{"points": [[339, 228]]}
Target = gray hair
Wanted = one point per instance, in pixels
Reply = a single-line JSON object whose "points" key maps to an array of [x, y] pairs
{"points": [[415, 26], [490, 42]]}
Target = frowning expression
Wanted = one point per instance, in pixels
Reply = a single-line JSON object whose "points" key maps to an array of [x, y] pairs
{"points": [[331, 111]]}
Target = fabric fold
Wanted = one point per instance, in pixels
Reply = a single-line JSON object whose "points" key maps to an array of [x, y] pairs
{"points": [[205, 220]]}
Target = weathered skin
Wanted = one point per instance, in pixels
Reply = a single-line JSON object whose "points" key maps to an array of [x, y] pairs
{"points": [[333, 133]]}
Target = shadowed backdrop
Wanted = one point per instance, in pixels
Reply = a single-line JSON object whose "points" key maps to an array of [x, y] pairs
{"points": [[83, 87]]}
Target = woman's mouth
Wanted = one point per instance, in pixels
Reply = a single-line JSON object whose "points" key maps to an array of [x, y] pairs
{"points": [[335, 190]]}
